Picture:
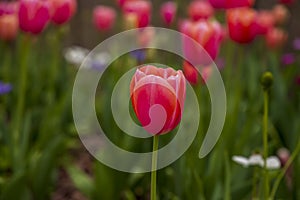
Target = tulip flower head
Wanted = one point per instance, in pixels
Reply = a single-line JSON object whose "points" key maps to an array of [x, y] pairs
{"points": [[242, 24], [104, 17], [200, 10], [157, 97], [33, 15], [275, 38], [265, 22], [5, 88], [208, 34], [62, 10], [280, 13], [137, 13], [9, 22], [226, 4], [168, 12]]}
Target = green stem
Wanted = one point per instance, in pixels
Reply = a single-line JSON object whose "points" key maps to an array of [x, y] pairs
{"points": [[154, 166], [284, 170], [265, 144], [22, 86]]}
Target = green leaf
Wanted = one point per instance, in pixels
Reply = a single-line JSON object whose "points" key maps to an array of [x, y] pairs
{"points": [[81, 180]]}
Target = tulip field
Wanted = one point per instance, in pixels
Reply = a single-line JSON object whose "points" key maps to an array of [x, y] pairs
{"points": [[149, 100]]}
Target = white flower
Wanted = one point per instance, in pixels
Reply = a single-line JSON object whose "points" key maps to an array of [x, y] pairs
{"points": [[75, 54], [273, 163], [257, 160], [241, 160]]}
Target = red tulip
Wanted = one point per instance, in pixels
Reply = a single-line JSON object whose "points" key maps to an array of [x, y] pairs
{"points": [[62, 10], [208, 34], [265, 21], [157, 97], [280, 13], [276, 38], [33, 15], [190, 73], [226, 4], [200, 10], [242, 24], [168, 12], [9, 23], [104, 17], [138, 12], [286, 1]]}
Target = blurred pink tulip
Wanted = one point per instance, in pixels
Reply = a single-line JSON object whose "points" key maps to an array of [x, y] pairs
{"points": [[199, 9], [34, 15], [280, 13], [104, 17], [265, 21], [62, 10], [9, 22], [208, 34], [168, 12], [157, 97], [242, 24], [138, 12], [122, 2], [276, 38], [226, 4]]}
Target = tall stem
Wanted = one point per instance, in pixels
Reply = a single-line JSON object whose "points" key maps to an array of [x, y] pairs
{"points": [[154, 166], [265, 144], [22, 86]]}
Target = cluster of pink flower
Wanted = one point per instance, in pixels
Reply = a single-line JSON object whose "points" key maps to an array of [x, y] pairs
{"points": [[32, 16], [243, 25]]}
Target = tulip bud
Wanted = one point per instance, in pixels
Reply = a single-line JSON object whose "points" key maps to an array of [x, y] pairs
{"points": [[157, 97], [267, 80], [33, 15], [139, 10], [242, 25], [275, 38], [200, 10], [104, 17], [225, 4], [62, 10], [168, 12]]}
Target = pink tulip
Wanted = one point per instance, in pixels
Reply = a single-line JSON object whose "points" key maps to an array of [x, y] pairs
{"points": [[34, 15], [200, 10], [157, 97], [265, 21], [138, 12], [104, 17], [168, 12], [9, 23], [280, 13], [242, 24], [275, 38], [62, 10], [208, 34], [226, 4]]}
